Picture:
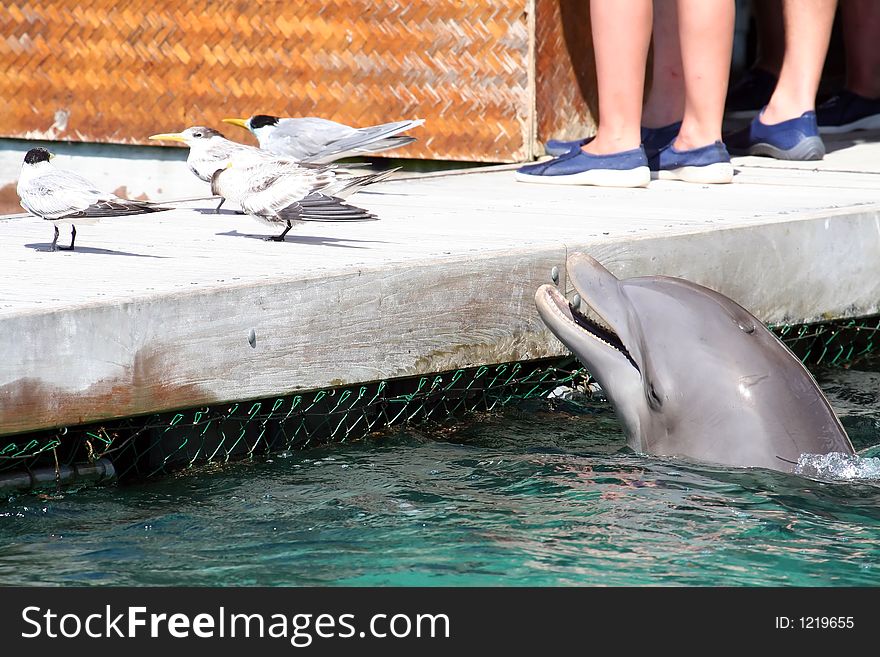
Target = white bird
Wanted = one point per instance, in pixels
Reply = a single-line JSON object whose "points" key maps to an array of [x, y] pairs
{"points": [[283, 193], [312, 139], [64, 197], [209, 150]]}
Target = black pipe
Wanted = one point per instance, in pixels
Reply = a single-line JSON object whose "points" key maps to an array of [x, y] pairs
{"points": [[101, 471]]}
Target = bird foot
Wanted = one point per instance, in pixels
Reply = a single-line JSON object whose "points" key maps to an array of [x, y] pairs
{"points": [[274, 238]]}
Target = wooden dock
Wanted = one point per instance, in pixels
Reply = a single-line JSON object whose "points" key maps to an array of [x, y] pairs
{"points": [[186, 308]]}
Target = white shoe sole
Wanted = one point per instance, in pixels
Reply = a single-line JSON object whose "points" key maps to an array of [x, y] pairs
{"points": [[868, 123], [711, 174], [638, 177]]}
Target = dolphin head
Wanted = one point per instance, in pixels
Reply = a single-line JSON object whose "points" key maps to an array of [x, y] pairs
{"points": [[690, 372]]}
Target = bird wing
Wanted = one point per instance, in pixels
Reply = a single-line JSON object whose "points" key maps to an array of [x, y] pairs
{"points": [[263, 189], [118, 207], [365, 140], [58, 194], [306, 137], [274, 193], [321, 207]]}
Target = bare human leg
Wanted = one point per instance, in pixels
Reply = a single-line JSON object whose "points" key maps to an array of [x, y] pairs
{"points": [[621, 36]]}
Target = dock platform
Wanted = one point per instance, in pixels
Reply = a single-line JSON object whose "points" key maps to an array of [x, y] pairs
{"points": [[184, 308]]}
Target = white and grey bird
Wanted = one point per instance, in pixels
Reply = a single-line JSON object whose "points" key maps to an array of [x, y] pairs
{"points": [[313, 139], [64, 197], [209, 150], [284, 194]]}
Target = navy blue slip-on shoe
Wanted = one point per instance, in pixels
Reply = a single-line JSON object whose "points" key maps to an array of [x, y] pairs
{"points": [[624, 169], [846, 111], [795, 139], [656, 139], [653, 139], [557, 147], [707, 164], [750, 94]]}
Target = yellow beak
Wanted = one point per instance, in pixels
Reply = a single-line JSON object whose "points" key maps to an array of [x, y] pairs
{"points": [[170, 136], [241, 123]]}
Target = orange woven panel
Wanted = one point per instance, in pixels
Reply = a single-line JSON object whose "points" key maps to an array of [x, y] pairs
{"points": [[112, 71], [567, 103]]}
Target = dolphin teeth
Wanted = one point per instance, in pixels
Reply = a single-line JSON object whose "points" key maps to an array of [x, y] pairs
{"points": [[602, 333]]}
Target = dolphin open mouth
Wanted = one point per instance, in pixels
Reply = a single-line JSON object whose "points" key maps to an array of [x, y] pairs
{"points": [[549, 298], [600, 332]]}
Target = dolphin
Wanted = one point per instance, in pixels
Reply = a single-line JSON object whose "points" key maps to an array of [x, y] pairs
{"points": [[689, 372]]}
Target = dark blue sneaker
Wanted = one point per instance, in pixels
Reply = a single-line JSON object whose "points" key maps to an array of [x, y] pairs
{"points": [[750, 94], [653, 139], [847, 111], [557, 147], [707, 164], [795, 139], [624, 169]]}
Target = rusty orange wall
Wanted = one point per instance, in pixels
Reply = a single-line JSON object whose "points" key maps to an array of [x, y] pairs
{"points": [[567, 103], [112, 71]]}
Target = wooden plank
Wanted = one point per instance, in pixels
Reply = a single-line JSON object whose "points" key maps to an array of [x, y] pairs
{"points": [[198, 347], [156, 312]]}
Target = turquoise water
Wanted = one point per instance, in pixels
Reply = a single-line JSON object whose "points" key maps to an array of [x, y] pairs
{"points": [[541, 494]]}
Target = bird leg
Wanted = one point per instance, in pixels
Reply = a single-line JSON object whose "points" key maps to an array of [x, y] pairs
{"points": [[280, 238], [54, 246], [217, 209], [72, 238]]}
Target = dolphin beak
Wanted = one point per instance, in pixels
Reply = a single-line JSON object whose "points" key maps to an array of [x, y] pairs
{"points": [[599, 288], [241, 123], [169, 136], [574, 328], [555, 311]]}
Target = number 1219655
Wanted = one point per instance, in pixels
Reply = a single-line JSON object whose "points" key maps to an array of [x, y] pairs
{"points": [[815, 622]]}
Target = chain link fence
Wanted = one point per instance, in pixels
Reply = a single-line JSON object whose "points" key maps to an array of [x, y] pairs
{"points": [[148, 446]]}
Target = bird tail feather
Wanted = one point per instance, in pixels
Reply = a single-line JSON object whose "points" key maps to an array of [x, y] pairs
{"points": [[345, 187]]}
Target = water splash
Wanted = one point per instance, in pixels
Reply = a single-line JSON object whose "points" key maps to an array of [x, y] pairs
{"points": [[838, 466]]}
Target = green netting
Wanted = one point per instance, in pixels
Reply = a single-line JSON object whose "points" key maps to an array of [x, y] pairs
{"points": [[147, 446], [831, 344]]}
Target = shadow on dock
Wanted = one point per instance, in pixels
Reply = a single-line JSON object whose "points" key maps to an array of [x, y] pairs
{"points": [[44, 246], [309, 239]]}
